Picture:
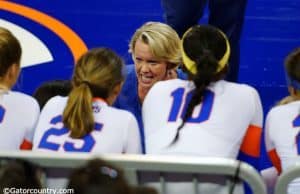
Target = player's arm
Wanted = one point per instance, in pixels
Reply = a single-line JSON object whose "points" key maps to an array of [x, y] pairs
{"points": [[271, 173], [251, 145], [150, 111], [32, 123], [270, 147], [250, 148], [133, 142]]}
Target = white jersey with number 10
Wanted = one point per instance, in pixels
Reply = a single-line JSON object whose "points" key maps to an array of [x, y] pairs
{"points": [[217, 126]]}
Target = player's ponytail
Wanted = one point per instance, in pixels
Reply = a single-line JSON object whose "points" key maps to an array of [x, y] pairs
{"points": [[205, 52], [78, 114], [95, 75]]}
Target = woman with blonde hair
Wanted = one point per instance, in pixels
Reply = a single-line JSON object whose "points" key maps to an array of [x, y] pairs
{"points": [[155, 49], [19, 112], [84, 121]]}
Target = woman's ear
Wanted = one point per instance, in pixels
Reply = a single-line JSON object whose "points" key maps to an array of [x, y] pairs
{"points": [[171, 74], [171, 71]]}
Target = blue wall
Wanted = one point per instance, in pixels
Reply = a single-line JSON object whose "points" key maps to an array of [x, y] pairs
{"points": [[271, 31]]}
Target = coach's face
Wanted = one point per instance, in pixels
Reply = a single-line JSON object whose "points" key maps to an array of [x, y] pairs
{"points": [[149, 70]]}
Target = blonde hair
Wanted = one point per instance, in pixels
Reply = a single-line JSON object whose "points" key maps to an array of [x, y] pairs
{"points": [[10, 51], [96, 73], [163, 41]]}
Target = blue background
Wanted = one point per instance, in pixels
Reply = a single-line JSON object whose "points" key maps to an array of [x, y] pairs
{"points": [[271, 31]]}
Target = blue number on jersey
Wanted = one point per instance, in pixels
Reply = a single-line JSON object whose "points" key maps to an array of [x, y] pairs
{"points": [[2, 113], [44, 143], [204, 113], [177, 101], [296, 123], [88, 140]]}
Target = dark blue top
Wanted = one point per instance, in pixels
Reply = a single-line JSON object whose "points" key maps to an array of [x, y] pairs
{"points": [[128, 98]]}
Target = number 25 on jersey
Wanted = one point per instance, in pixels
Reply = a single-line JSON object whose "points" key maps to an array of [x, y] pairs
{"points": [[88, 140]]}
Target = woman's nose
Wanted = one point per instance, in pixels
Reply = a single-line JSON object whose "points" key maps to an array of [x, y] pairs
{"points": [[145, 67]]}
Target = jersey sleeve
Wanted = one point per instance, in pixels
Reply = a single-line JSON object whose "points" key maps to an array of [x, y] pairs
{"points": [[270, 147], [149, 110], [270, 174], [132, 139], [32, 119], [251, 145], [257, 119]]}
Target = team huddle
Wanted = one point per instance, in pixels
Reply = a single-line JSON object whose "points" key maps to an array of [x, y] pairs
{"points": [[173, 100]]}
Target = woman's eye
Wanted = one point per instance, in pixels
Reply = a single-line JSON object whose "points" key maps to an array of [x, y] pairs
{"points": [[152, 62]]}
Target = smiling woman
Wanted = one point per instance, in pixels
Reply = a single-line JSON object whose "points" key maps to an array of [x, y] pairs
{"points": [[155, 49], [149, 70]]}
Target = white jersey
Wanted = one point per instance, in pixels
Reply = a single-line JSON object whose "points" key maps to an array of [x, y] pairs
{"points": [[116, 131], [282, 134], [18, 117], [217, 126]]}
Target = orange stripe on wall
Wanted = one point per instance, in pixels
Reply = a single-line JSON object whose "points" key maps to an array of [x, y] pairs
{"points": [[251, 142], [71, 39]]}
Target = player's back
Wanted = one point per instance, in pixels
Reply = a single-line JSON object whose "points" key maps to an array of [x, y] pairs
{"points": [[18, 117], [283, 125], [282, 131], [116, 131], [216, 127]]}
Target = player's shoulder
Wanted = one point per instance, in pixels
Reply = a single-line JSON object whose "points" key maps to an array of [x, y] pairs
{"points": [[57, 99], [241, 89], [281, 115], [284, 108], [169, 84], [23, 98], [120, 113], [56, 102]]}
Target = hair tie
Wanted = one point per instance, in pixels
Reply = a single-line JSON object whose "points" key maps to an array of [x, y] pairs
{"points": [[206, 52], [191, 65], [86, 83]]}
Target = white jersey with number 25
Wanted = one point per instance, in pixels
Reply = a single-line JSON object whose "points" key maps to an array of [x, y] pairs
{"points": [[116, 131]]}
